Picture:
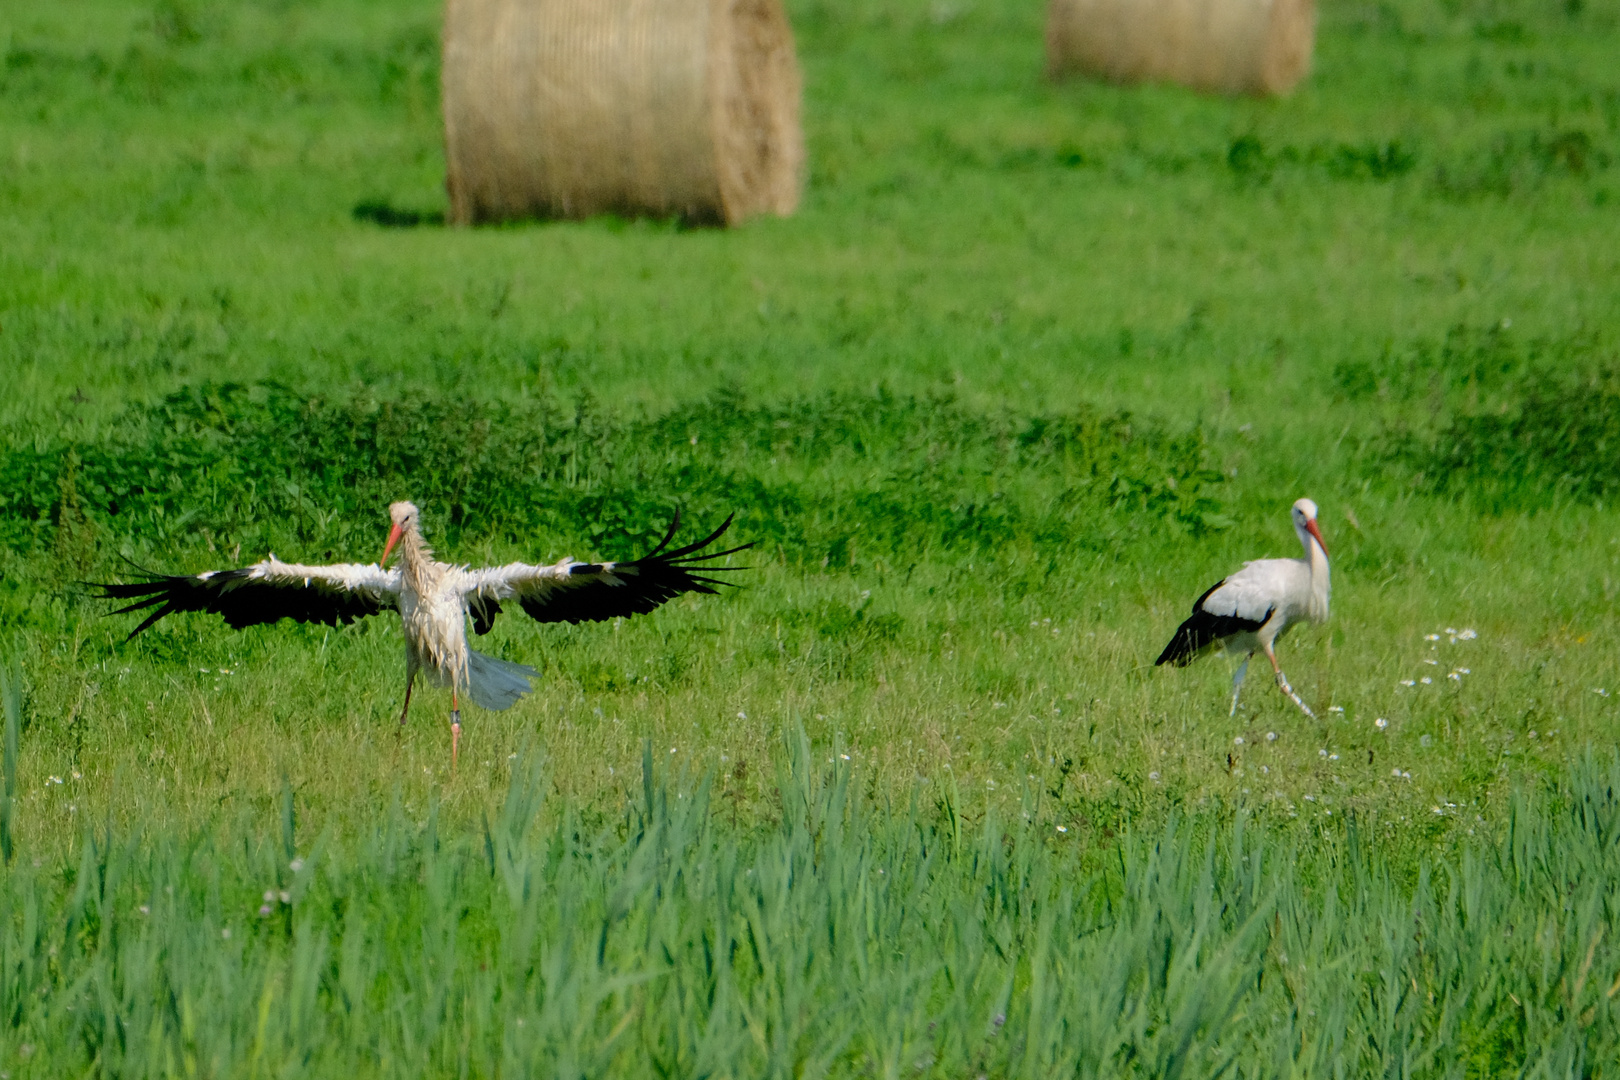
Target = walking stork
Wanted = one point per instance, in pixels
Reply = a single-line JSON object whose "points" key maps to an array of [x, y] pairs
{"points": [[434, 600], [1255, 606]]}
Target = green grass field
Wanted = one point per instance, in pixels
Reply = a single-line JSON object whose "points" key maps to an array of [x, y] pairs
{"points": [[1033, 365]]}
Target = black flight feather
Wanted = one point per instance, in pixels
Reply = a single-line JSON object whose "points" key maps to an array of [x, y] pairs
{"points": [[654, 579], [1202, 630], [242, 602]]}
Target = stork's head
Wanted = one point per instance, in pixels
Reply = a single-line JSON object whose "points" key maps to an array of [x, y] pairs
{"points": [[404, 516], [1305, 522]]}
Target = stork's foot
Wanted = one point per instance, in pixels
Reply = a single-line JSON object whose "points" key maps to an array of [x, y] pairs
{"points": [[455, 736], [1282, 684]]}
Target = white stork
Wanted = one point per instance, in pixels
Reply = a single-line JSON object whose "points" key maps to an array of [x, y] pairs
{"points": [[434, 600], [1255, 606]]}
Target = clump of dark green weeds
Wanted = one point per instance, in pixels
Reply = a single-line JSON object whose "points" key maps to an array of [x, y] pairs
{"points": [[817, 478]]}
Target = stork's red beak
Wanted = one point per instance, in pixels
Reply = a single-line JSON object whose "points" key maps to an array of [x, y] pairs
{"points": [[1310, 527], [393, 538]]}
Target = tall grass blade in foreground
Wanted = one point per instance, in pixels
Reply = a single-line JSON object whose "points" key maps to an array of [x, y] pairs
{"points": [[843, 939], [11, 702]]}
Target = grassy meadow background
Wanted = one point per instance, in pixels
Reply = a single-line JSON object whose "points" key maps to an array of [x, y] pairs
{"points": [[1033, 365]]}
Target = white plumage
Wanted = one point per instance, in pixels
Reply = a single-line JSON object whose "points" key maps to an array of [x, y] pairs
{"points": [[434, 601], [1252, 608]]}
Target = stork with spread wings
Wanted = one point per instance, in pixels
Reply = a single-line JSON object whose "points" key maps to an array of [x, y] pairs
{"points": [[434, 601]]}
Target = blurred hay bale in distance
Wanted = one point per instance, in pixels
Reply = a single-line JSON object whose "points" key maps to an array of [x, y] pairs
{"points": [[1224, 46], [568, 108]]}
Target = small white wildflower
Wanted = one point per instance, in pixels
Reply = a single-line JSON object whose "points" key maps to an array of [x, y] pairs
{"points": [[741, 715], [1271, 736], [1455, 676], [296, 865], [1437, 810], [1063, 828], [1426, 681], [1333, 757], [144, 910], [1431, 637], [1601, 692], [1336, 708], [269, 895], [1238, 741], [1532, 733], [1406, 775], [1265, 770], [1408, 682], [1321, 753], [672, 749], [284, 896], [1380, 723], [1310, 798], [52, 780], [1395, 773], [203, 670], [77, 775], [1466, 635], [1434, 663], [1154, 776]]}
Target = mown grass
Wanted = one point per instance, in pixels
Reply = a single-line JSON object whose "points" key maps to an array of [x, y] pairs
{"points": [[1033, 366]]}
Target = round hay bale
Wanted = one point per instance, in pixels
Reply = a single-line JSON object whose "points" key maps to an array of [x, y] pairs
{"points": [[1225, 46], [567, 108]]}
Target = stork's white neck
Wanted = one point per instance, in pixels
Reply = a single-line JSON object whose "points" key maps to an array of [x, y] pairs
{"points": [[1321, 582], [415, 558]]}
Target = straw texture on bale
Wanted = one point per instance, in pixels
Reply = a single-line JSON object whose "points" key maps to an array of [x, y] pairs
{"points": [[1225, 46], [567, 108]]}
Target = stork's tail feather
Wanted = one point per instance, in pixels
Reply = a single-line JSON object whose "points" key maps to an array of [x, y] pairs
{"points": [[497, 684]]}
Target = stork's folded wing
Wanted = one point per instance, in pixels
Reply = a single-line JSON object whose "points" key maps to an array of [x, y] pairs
{"points": [[576, 592], [265, 592]]}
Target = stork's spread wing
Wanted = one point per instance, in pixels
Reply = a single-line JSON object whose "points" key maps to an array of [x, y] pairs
{"points": [[263, 593], [577, 592]]}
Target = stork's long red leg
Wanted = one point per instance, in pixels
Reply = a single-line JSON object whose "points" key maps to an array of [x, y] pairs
{"points": [[410, 680], [455, 730], [1282, 681]]}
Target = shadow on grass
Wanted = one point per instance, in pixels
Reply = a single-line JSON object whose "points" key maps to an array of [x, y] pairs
{"points": [[389, 216]]}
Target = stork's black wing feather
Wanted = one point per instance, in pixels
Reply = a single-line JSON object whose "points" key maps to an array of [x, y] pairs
{"points": [[595, 591], [265, 593], [483, 610], [1203, 629]]}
